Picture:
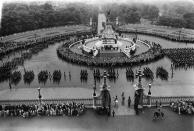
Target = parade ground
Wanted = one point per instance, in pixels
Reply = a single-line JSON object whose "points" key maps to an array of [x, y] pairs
{"points": [[47, 93]]}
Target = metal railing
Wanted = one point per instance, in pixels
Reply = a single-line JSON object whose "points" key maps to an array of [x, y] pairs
{"points": [[165, 100], [88, 102]]}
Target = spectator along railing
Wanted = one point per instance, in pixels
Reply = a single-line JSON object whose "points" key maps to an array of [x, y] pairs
{"points": [[164, 100], [88, 102]]}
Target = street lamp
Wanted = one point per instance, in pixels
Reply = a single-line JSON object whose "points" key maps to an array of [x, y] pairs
{"points": [[149, 92], [94, 94], [139, 74], [149, 96], [39, 95]]}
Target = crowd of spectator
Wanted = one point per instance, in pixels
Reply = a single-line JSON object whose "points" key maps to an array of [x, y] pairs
{"points": [[183, 107], [32, 110]]}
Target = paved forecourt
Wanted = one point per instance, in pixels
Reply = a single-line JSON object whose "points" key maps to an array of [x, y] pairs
{"points": [[48, 94]]}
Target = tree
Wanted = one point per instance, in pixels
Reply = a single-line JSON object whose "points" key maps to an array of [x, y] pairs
{"points": [[174, 22], [149, 12], [18, 17], [189, 18], [132, 16]]}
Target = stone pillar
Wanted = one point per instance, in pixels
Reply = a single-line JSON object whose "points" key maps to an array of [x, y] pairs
{"points": [[149, 101], [94, 101], [140, 89], [141, 94]]}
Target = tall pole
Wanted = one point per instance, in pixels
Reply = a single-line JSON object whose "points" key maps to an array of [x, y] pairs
{"points": [[149, 92], [180, 35], [149, 96], [39, 96], [94, 94], [136, 34], [139, 93], [139, 75]]}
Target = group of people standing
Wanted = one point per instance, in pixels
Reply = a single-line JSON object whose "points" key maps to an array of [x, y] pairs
{"points": [[181, 57], [32, 110], [116, 102], [183, 107]]}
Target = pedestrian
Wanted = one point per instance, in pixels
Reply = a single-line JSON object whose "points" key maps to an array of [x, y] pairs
{"points": [[113, 113], [69, 76], [64, 76], [160, 104], [156, 104], [123, 98], [129, 101], [10, 87], [116, 101]]}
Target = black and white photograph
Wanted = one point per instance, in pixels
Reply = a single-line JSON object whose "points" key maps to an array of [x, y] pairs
{"points": [[96, 65]]}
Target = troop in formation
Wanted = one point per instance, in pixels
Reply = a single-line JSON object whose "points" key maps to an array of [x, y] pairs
{"points": [[83, 75], [159, 32], [183, 107], [129, 74], [32, 110], [148, 74], [181, 57], [96, 74], [30, 47], [9, 45], [161, 73]]}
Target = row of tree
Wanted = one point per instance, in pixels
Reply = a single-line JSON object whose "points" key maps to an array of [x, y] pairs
{"points": [[131, 13], [28, 76], [180, 22], [177, 14], [18, 17]]}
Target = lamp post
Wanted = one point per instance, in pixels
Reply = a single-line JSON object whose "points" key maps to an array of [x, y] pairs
{"points": [[136, 33], [94, 94], [39, 95], [139, 92], [139, 74], [149, 92], [149, 96]]}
